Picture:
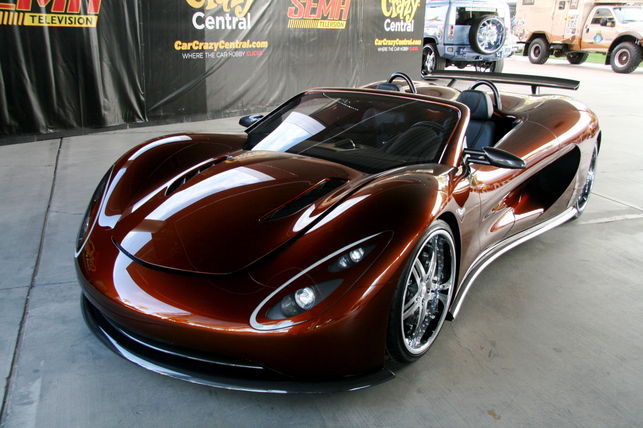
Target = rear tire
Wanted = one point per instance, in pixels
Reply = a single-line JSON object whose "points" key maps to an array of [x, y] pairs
{"points": [[431, 60], [423, 295], [577, 57], [491, 66], [625, 57], [538, 51]]}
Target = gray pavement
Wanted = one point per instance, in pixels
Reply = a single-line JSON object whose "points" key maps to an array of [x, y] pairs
{"points": [[549, 335]]}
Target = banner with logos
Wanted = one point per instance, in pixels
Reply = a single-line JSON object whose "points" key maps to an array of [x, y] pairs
{"points": [[77, 64], [67, 64]]}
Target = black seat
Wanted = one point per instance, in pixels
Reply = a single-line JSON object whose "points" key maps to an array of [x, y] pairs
{"points": [[388, 87], [384, 123], [481, 131], [418, 141]]}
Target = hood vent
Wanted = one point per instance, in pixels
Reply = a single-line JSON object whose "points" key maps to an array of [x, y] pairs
{"points": [[302, 201], [182, 180]]}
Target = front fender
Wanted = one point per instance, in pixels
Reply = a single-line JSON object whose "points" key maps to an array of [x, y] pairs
{"points": [[399, 206]]}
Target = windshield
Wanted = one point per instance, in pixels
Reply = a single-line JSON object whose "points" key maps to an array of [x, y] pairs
{"points": [[629, 14], [368, 132]]}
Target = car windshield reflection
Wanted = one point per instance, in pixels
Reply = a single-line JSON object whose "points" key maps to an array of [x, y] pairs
{"points": [[368, 132]]}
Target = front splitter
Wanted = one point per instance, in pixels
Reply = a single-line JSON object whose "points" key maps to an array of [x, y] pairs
{"points": [[214, 372]]}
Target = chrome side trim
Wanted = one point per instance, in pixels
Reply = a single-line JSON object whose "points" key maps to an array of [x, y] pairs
{"points": [[495, 251]]}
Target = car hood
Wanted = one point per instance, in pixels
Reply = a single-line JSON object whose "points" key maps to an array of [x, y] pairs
{"points": [[227, 216]]}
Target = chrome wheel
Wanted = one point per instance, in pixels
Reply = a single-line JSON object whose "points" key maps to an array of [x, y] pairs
{"points": [[487, 34], [422, 300], [581, 202], [431, 60]]}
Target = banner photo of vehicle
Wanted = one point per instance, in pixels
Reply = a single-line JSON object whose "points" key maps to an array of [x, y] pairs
{"points": [[69, 65]]}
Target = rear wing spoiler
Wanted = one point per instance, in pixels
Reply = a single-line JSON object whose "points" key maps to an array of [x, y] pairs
{"points": [[535, 82]]}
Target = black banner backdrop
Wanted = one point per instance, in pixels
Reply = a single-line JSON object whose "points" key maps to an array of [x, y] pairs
{"points": [[79, 64]]}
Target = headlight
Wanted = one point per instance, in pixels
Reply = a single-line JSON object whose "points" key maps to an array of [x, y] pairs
{"points": [[350, 258], [305, 298], [316, 288], [302, 300]]}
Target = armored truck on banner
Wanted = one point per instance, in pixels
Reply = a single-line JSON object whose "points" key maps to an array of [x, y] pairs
{"points": [[574, 28], [466, 32]]}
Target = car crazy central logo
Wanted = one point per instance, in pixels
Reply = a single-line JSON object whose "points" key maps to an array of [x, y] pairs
{"points": [[327, 14], [50, 13], [224, 15], [241, 20], [404, 11]]}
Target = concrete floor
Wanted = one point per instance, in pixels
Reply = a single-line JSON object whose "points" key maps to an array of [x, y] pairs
{"points": [[550, 334]]}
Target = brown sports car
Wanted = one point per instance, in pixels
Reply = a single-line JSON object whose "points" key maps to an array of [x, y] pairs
{"points": [[333, 239]]}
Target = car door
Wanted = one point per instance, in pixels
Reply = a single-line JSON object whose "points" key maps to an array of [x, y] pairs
{"points": [[599, 31], [559, 21], [509, 201]]}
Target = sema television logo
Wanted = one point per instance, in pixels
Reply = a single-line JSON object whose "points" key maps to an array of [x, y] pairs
{"points": [[50, 13], [323, 14]]}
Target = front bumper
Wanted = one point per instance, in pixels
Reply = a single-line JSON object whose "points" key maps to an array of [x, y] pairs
{"points": [[212, 370]]}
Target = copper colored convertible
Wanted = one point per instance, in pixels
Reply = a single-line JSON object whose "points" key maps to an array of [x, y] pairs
{"points": [[330, 242]]}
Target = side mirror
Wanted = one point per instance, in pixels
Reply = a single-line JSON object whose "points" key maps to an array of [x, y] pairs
{"points": [[494, 157], [247, 121]]}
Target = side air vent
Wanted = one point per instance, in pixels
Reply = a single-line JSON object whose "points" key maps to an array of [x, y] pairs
{"points": [[308, 197], [182, 180]]}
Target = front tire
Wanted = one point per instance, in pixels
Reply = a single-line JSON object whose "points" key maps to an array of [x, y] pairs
{"points": [[581, 202], [423, 295], [625, 57], [577, 57], [431, 60], [538, 51]]}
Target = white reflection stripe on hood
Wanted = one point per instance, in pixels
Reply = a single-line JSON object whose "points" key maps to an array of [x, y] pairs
{"points": [[226, 180]]}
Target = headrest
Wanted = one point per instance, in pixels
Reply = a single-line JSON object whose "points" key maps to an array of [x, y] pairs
{"points": [[478, 102], [388, 87]]}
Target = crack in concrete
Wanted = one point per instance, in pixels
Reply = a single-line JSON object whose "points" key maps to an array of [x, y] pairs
{"points": [[65, 212], [457, 338], [13, 288]]}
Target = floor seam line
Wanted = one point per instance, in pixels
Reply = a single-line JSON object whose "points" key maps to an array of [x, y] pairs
{"points": [[23, 320], [619, 201]]}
